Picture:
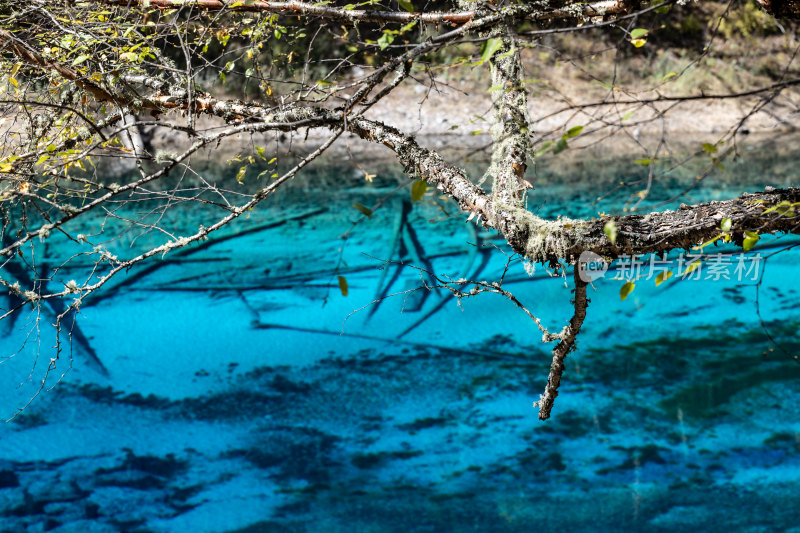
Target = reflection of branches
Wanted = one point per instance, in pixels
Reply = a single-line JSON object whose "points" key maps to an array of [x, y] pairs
{"points": [[764, 328], [82, 292]]}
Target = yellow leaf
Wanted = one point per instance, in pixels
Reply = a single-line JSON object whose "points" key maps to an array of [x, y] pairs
{"points": [[626, 290], [664, 276], [364, 209], [343, 285]]}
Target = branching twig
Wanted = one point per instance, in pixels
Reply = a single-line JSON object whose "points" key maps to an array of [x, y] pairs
{"points": [[566, 345]]}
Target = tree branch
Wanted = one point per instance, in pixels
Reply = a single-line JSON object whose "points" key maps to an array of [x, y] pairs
{"points": [[510, 133], [565, 346], [351, 16]]}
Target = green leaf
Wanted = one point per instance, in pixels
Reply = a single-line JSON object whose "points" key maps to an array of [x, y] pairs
{"points": [[664, 276], [405, 4], [240, 175], [342, 285], [626, 290], [574, 132], [408, 26], [560, 146], [750, 240], [644, 162], [364, 209], [709, 148], [783, 208], [261, 153], [80, 59], [385, 40], [545, 147], [418, 190], [610, 229], [638, 33], [489, 48], [725, 225]]}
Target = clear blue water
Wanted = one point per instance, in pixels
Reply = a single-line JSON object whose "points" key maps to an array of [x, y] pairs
{"points": [[239, 399]]}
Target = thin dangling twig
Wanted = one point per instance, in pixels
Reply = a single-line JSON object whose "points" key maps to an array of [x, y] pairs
{"points": [[566, 345]]}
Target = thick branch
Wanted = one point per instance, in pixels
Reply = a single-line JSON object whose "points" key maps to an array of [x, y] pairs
{"points": [[672, 230], [603, 7], [33, 57], [549, 241], [510, 133]]}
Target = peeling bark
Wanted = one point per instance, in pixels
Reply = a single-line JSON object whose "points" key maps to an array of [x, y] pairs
{"points": [[681, 229]]}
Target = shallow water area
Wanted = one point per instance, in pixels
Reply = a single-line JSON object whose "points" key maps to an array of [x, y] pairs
{"points": [[245, 392]]}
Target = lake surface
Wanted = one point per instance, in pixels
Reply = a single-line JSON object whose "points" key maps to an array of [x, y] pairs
{"points": [[243, 394]]}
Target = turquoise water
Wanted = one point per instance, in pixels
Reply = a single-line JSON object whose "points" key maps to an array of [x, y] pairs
{"points": [[243, 394]]}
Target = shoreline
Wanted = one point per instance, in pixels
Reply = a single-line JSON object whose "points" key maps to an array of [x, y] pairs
{"points": [[446, 121]]}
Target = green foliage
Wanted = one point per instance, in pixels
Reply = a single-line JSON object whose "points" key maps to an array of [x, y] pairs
{"points": [[560, 145], [746, 20], [638, 37], [750, 240], [488, 49]]}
